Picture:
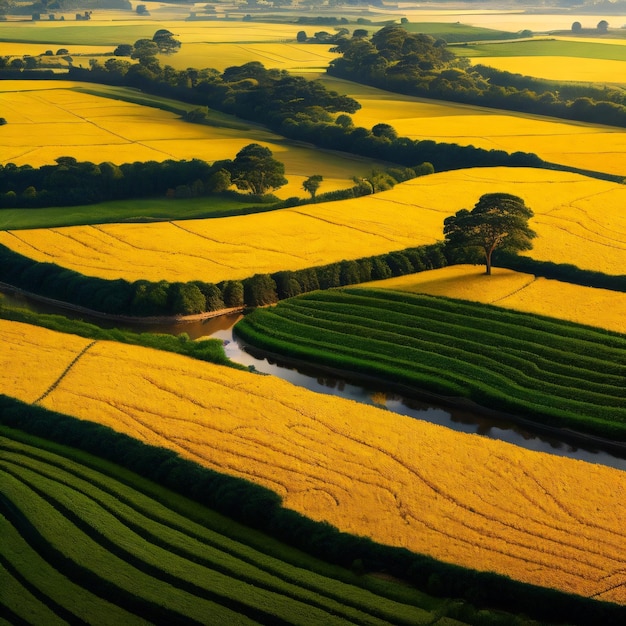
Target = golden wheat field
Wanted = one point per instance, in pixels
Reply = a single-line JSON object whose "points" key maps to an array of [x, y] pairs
{"points": [[578, 144], [561, 68], [579, 220], [47, 122], [336, 460], [515, 290]]}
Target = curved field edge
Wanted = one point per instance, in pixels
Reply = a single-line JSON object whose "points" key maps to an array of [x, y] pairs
{"points": [[341, 462], [142, 530], [533, 367], [130, 461]]}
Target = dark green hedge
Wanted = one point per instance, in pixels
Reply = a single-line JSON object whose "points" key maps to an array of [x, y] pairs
{"points": [[144, 298]]}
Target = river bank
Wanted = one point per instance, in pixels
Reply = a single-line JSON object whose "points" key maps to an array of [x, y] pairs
{"points": [[556, 434]]}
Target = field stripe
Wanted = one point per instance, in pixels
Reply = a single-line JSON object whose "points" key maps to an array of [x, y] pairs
{"points": [[56, 383]]}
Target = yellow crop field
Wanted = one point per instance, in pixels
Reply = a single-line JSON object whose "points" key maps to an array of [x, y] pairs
{"points": [[289, 56], [515, 290], [588, 146], [579, 221], [46, 123], [561, 68], [461, 498]]}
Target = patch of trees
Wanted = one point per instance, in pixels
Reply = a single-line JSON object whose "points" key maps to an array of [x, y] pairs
{"points": [[70, 182], [144, 298], [260, 508], [419, 65]]}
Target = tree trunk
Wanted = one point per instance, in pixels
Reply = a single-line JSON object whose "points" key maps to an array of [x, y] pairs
{"points": [[488, 253]]}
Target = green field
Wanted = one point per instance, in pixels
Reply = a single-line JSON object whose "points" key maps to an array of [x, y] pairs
{"points": [[137, 210], [71, 34], [88, 539], [455, 33], [550, 372], [544, 47]]}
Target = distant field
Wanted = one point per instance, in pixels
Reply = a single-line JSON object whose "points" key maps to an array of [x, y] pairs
{"points": [[348, 464], [579, 221], [138, 210], [561, 68], [522, 292], [545, 47], [47, 120], [164, 560], [454, 32], [587, 146]]}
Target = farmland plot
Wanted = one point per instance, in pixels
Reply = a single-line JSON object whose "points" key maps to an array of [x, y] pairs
{"points": [[578, 144], [46, 123], [181, 557], [349, 464], [522, 292], [580, 221]]}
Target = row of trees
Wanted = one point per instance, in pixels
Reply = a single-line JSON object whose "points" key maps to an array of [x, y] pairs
{"points": [[417, 64], [292, 106], [144, 298], [70, 182]]}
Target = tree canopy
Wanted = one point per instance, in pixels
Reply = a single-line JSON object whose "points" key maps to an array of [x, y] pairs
{"points": [[256, 170], [498, 220]]}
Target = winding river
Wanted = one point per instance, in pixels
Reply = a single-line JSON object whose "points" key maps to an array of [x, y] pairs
{"points": [[457, 419]]}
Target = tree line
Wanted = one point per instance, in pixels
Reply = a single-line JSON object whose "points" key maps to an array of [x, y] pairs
{"points": [[70, 182], [290, 105], [418, 65], [144, 298], [260, 508]]}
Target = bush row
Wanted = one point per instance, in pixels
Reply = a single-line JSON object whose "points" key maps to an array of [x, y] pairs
{"points": [[260, 508], [561, 271], [144, 298]]}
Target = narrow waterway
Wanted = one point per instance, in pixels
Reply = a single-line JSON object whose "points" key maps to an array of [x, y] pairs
{"points": [[457, 419]]}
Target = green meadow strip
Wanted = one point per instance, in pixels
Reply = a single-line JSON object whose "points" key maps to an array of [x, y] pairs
{"points": [[534, 367]]}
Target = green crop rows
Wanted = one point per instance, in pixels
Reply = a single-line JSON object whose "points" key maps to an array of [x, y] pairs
{"points": [[78, 543], [553, 372]]}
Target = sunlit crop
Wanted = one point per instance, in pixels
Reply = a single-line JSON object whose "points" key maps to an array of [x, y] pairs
{"points": [[588, 146], [45, 123], [522, 292], [579, 221], [461, 498], [560, 68]]}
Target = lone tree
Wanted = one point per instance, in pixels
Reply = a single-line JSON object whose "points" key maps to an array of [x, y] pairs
{"points": [[255, 170], [498, 220], [312, 184]]}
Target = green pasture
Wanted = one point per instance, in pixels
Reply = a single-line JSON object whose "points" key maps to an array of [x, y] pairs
{"points": [[87, 538], [543, 47], [544, 370], [138, 210], [455, 33], [91, 34]]}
